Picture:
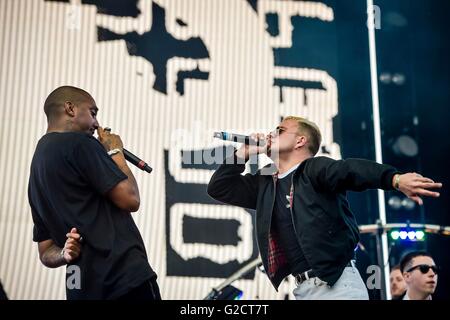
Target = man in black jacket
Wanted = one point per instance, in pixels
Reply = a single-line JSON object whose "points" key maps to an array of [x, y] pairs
{"points": [[304, 225]]}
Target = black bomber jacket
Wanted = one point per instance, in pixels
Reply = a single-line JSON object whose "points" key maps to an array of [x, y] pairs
{"points": [[325, 226]]}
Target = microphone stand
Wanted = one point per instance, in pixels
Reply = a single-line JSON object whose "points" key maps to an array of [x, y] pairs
{"points": [[235, 276]]}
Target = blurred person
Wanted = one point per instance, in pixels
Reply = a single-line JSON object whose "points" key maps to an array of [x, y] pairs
{"points": [[398, 284]]}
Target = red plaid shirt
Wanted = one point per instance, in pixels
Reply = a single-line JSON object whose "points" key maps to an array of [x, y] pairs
{"points": [[276, 257]]}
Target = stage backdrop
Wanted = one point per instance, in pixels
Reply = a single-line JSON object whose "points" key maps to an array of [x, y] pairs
{"points": [[165, 75]]}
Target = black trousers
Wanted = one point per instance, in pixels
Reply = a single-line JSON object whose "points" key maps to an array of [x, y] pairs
{"points": [[149, 290]]}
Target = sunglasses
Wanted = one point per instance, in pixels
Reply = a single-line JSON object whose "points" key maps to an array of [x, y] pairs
{"points": [[278, 131], [424, 268]]}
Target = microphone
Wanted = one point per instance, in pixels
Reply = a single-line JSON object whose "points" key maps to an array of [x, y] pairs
{"points": [[238, 138], [141, 164]]}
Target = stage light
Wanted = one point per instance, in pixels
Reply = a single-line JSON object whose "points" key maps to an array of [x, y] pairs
{"points": [[396, 203], [405, 146], [408, 204], [398, 79], [408, 235], [420, 235], [238, 295], [395, 235], [227, 293]]}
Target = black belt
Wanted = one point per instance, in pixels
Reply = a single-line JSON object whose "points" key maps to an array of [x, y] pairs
{"points": [[300, 277]]}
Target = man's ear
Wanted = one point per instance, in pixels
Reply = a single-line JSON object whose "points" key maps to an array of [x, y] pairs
{"points": [[407, 276], [69, 108], [301, 141]]}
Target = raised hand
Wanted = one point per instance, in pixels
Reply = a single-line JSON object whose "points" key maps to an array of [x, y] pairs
{"points": [[72, 247], [413, 185]]}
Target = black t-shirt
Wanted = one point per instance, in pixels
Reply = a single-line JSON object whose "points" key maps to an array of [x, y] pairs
{"points": [[70, 176], [282, 223]]}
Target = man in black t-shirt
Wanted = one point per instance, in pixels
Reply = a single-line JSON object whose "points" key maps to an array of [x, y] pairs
{"points": [[81, 193]]}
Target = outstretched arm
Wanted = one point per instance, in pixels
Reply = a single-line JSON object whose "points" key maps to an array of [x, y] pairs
{"points": [[413, 185], [361, 174], [349, 175]]}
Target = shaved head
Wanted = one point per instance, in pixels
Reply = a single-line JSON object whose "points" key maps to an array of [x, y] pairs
{"points": [[54, 104]]}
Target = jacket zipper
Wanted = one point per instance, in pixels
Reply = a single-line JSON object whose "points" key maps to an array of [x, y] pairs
{"points": [[292, 215], [291, 199], [274, 181]]}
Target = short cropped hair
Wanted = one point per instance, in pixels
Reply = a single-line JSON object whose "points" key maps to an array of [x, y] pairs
{"points": [[311, 130], [57, 98], [406, 261]]}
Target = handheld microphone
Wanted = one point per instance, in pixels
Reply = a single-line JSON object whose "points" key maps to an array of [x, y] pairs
{"points": [[238, 138], [141, 164]]}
